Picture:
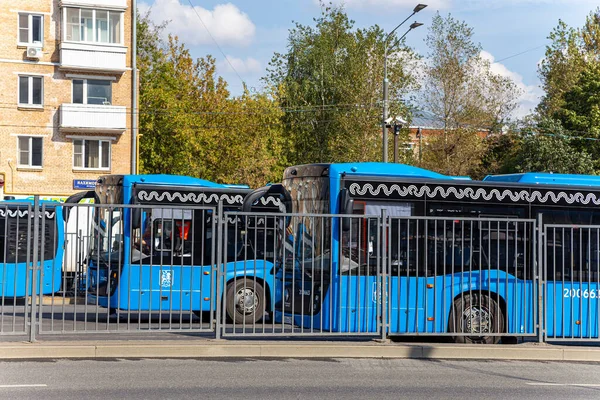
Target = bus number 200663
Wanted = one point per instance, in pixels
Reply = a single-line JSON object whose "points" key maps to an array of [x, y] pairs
{"points": [[578, 293]]}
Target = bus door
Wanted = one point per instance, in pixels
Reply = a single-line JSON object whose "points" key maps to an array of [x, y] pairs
{"points": [[359, 273], [305, 275], [572, 273], [406, 275]]}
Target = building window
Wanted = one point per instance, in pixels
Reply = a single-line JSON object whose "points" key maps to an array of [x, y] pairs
{"points": [[31, 29], [91, 154], [30, 90], [30, 151], [92, 91], [95, 26]]}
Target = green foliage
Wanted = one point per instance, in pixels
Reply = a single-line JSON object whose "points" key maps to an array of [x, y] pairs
{"points": [[323, 104], [543, 153], [498, 156], [570, 75], [460, 88], [465, 95], [541, 145], [330, 80], [580, 111], [190, 125], [566, 58], [458, 152]]}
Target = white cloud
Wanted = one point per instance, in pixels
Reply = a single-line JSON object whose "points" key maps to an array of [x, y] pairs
{"points": [[530, 94], [227, 24], [248, 66], [385, 4]]}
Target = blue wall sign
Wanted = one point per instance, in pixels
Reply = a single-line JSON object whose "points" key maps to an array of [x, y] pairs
{"points": [[84, 183]]}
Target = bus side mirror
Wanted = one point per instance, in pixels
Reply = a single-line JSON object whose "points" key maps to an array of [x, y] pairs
{"points": [[136, 218], [346, 207]]}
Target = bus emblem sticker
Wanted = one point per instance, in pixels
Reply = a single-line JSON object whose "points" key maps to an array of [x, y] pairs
{"points": [[166, 280]]}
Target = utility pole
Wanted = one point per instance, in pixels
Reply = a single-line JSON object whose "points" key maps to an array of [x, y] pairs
{"points": [[134, 79], [414, 25]]}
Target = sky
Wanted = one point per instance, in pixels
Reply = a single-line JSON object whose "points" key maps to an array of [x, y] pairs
{"points": [[243, 35]]}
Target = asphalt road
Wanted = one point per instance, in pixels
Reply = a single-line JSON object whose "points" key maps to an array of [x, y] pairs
{"points": [[297, 379]]}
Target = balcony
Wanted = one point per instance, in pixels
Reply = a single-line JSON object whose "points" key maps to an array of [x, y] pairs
{"points": [[116, 4], [92, 118], [92, 57]]}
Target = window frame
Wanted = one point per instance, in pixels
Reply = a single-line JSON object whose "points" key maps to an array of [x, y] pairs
{"points": [[83, 144], [30, 41], [30, 103], [85, 91], [94, 27], [29, 164]]}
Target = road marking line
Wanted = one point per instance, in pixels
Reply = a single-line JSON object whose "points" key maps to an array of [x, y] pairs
{"points": [[20, 386], [564, 384]]}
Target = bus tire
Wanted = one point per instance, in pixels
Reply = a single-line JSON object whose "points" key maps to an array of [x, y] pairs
{"points": [[245, 301], [476, 312]]}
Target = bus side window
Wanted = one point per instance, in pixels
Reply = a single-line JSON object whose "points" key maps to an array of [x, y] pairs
{"points": [[183, 239], [353, 238]]}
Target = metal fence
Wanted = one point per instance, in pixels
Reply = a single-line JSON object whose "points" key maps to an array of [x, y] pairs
{"points": [[298, 275], [572, 282], [16, 244], [79, 269], [471, 278]]}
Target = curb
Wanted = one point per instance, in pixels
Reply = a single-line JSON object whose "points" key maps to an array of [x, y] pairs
{"points": [[218, 349]]}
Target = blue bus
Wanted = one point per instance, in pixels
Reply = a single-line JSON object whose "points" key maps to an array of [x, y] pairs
{"points": [[154, 247], [452, 255], [17, 248]]}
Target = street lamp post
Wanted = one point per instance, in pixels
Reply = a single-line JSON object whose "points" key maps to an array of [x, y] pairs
{"points": [[414, 25]]}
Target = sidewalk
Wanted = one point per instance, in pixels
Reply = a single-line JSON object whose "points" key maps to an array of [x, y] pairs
{"points": [[290, 349]]}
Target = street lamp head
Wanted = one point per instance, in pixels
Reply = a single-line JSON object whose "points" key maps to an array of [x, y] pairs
{"points": [[415, 25], [419, 7]]}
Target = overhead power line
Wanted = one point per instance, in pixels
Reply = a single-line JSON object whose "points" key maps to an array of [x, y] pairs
{"points": [[247, 111], [518, 54], [216, 43]]}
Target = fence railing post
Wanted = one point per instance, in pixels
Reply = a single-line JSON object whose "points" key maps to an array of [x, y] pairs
{"points": [[383, 288], [218, 272], [540, 271], [34, 268]]}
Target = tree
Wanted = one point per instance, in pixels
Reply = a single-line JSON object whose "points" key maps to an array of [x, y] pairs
{"points": [[464, 94], [543, 153], [580, 111], [330, 82], [169, 82], [460, 88], [457, 153], [570, 75], [566, 59], [542, 145], [247, 144], [190, 124], [498, 156]]}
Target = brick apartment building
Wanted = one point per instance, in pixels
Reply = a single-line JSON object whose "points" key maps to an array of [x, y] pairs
{"points": [[65, 94], [424, 126]]}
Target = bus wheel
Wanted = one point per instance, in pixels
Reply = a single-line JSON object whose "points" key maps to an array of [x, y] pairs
{"points": [[245, 301], [476, 313]]}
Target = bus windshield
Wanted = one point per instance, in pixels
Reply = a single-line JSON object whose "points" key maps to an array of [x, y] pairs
{"points": [[108, 233], [308, 235], [107, 239]]}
